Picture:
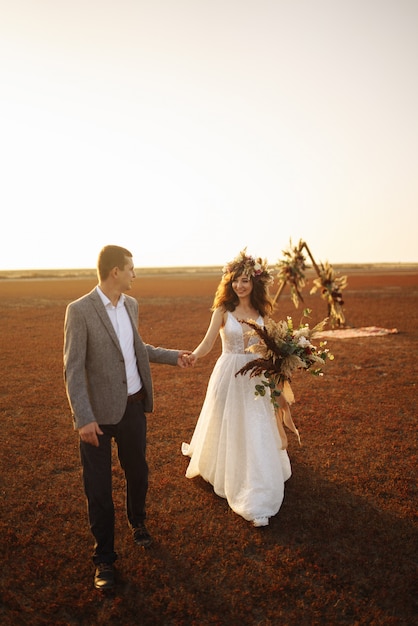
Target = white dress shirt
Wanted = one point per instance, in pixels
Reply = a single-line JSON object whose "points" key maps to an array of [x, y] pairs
{"points": [[121, 322]]}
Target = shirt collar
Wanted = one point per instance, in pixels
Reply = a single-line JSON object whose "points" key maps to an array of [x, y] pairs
{"points": [[106, 300]]}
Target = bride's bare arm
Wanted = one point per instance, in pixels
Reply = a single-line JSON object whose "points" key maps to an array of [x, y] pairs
{"points": [[206, 345]]}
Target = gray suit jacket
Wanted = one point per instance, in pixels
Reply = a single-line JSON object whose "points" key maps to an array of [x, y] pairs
{"points": [[94, 368]]}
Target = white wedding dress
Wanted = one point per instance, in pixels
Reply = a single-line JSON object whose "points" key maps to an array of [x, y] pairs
{"points": [[236, 444]]}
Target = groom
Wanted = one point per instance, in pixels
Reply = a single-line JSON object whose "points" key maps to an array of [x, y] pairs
{"points": [[109, 387]]}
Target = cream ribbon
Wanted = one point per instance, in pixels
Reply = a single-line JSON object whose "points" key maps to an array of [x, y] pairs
{"points": [[283, 415]]}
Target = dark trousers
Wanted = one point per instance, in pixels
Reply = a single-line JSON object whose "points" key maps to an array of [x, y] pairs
{"points": [[130, 436]]}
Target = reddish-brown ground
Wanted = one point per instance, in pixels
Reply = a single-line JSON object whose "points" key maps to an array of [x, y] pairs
{"points": [[343, 547]]}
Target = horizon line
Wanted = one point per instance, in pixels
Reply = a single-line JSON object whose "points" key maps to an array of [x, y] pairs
{"points": [[188, 269]]}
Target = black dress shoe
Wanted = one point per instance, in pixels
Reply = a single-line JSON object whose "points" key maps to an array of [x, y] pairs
{"points": [[104, 577], [142, 536]]}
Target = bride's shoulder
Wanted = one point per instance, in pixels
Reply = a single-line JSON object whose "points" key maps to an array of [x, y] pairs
{"points": [[220, 314], [220, 310]]}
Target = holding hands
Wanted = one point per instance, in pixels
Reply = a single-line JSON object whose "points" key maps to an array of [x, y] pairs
{"points": [[186, 359]]}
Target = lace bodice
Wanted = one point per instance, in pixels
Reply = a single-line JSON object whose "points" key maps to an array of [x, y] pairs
{"points": [[234, 335]]}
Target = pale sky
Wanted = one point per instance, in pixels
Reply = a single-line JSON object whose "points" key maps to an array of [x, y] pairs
{"points": [[186, 130]]}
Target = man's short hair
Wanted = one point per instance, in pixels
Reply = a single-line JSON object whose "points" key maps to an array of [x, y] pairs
{"points": [[110, 257]]}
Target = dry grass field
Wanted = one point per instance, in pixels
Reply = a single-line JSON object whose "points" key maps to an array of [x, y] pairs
{"points": [[342, 549]]}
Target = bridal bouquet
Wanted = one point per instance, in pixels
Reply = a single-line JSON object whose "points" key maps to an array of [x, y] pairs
{"points": [[284, 350]]}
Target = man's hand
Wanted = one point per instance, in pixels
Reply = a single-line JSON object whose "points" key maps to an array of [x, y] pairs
{"points": [[89, 432]]}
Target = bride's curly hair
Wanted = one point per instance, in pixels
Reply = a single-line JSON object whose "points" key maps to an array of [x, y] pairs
{"points": [[226, 297]]}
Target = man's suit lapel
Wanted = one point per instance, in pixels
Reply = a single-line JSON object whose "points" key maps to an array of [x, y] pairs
{"points": [[131, 314], [139, 345], [102, 313]]}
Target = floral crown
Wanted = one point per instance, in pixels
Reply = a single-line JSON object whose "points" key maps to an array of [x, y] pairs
{"points": [[256, 268]]}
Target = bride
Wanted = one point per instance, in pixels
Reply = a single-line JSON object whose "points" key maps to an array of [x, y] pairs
{"points": [[236, 445]]}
